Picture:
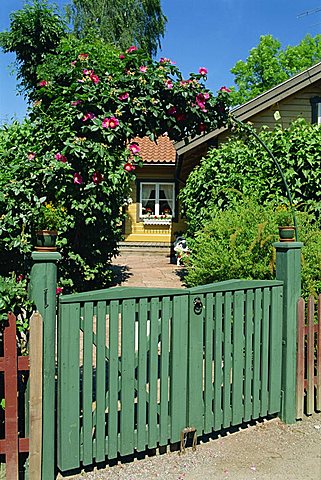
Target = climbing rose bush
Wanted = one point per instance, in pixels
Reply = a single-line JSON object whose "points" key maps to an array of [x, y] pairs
{"points": [[91, 101]]}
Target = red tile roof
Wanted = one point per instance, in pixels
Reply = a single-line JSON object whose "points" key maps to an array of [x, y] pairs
{"points": [[161, 151]]}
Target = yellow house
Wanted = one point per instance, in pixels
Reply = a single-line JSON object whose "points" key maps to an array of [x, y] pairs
{"points": [[153, 216]]}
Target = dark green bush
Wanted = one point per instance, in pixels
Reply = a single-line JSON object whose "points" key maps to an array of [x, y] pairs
{"points": [[236, 243]]}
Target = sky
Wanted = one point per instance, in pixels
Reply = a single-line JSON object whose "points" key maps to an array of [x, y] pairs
{"points": [[208, 33]]}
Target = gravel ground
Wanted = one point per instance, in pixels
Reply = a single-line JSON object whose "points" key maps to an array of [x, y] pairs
{"points": [[269, 451]]}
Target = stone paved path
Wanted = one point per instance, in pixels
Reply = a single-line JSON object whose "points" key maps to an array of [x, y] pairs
{"points": [[147, 270]]}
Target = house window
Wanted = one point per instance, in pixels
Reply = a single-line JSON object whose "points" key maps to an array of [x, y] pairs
{"points": [[316, 110], [157, 199]]}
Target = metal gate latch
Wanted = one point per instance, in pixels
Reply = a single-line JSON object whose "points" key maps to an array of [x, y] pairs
{"points": [[184, 435], [198, 305]]}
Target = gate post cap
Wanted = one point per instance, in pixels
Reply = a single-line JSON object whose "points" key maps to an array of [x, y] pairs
{"points": [[46, 256], [287, 245]]}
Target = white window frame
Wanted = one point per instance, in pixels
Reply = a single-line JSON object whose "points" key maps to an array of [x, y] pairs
{"points": [[157, 185], [319, 113]]}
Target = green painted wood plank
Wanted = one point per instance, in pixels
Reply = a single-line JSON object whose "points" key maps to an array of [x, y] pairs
{"points": [[265, 352], [248, 371], [121, 293], [153, 374], [127, 396], [68, 388], [178, 387], [141, 376], [256, 386], [275, 350], [164, 370], [113, 380], [195, 402], [233, 286], [87, 384], [227, 355], [208, 372], [218, 357], [238, 358], [100, 382]]}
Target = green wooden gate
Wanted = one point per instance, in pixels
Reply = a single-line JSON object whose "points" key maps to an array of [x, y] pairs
{"points": [[136, 366]]}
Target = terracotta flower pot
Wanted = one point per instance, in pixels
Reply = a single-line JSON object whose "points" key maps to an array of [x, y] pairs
{"points": [[287, 234], [46, 240]]}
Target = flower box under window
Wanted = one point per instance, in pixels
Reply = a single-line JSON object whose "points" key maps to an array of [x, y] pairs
{"points": [[157, 221]]}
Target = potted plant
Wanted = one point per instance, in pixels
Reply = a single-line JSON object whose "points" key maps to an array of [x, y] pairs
{"points": [[49, 220], [286, 227]]}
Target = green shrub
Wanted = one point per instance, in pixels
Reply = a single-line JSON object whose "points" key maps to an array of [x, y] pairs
{"points": [[236, 243], [242, 167]]}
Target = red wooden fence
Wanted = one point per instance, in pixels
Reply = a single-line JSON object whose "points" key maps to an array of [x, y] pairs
{"points": [[11, 364], [309, 357]]}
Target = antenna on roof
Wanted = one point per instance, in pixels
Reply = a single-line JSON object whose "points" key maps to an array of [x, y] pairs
{"points": [[309, 12]]}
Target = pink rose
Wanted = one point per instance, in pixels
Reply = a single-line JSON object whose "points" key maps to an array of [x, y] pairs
{"points": [[111, 122], [123, 96], [97, 178], [121, 56], [225, 89], [202, 71], [73, 63], [164, 60], [128, 167], [59, 290], [87, 72], [77, 179], [169, 84], [172, 111], [31, 156], [143, 69], [19, 278], [131, 49], [83, 56], [134, 148], [60, 158], [88, 116], [43, 83], [94, 78]]}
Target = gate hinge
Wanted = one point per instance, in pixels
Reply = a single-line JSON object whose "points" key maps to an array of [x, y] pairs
{"points": [[184, 435]]}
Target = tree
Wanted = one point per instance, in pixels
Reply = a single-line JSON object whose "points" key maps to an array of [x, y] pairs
{"points": [[121, 22], [76, 152], [268, 65], [35, 31]]}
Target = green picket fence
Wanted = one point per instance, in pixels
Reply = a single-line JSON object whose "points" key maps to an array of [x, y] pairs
{"points": [[136, 366]]}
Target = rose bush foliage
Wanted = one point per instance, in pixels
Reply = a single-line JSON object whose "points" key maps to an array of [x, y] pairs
{"points": [[76, 149]]}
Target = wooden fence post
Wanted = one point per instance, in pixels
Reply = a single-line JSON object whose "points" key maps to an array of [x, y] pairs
{"points": [[288, 269], [43, 282], [35, 411]]}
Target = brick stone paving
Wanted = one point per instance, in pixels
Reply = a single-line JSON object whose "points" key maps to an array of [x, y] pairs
{"points": [[147, 270]]}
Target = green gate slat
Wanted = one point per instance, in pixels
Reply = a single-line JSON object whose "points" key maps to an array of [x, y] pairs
{"points": [[227, 353], [275, 350], [87, 384], [208, 373], [256, 386], [100, 381], [238, 359], [113, 381], [141, 375], [68, 387], [248, 373], [127, 395], [195, 366], [178, 386], [164, 370], [153, 374], [265, 352], [218, 357]]}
